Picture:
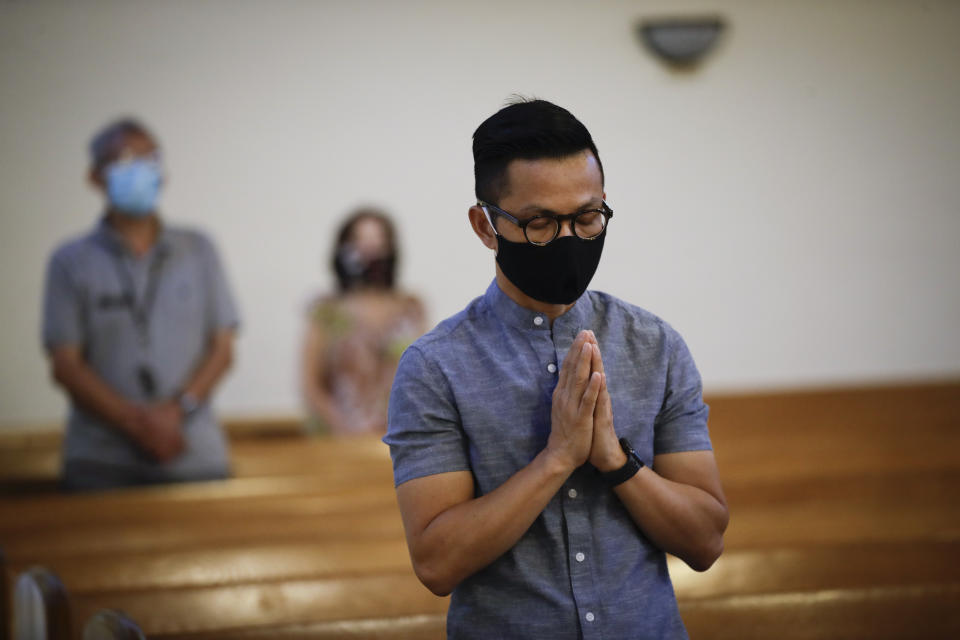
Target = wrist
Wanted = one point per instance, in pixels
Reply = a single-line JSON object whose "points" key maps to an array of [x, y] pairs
{"points": [[187, 403], [631, 466], [613, 460], [129, 420], [557, 463]]}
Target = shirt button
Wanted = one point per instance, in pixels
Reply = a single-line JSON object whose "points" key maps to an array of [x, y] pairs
{"points": [[572, 493], [538, 321], [580, 557], [552, 368], [589, 616]]}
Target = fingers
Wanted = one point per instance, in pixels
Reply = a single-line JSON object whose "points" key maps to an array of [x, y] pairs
{"points": [[588, 402], [170, 449], [570, 368], [582, 372], [581, 362], [596, 364], [567, 365], [589, 362], [603, 409]]}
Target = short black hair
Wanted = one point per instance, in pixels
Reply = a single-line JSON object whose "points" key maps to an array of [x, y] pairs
{"points": [[105, 143], [525, 130]]}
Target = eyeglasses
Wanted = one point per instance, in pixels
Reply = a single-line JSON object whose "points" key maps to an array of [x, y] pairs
{"points": [[544, 229]]}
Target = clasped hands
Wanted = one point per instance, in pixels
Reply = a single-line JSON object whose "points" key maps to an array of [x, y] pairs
{"points": [[158, 429], [581, 415]]}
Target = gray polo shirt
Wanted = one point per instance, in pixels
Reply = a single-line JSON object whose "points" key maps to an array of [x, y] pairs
{"points": [[475, 394], [95, 288]]}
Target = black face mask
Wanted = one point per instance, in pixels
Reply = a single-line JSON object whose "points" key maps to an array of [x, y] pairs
{"points": [[557, 273], [354, 271]]}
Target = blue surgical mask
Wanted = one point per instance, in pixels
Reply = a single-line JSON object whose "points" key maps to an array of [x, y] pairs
{"points": [[133, 186]]}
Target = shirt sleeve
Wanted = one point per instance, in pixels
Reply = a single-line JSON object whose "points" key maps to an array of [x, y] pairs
{"points": [[423, 424], [221, 308], [681, 424], [62, 307]]}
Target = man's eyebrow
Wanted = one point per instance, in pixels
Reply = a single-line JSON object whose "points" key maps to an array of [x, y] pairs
{"points": [[531, 209]]}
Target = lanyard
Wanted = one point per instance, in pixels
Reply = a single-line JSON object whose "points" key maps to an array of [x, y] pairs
{"points": [[140, 312]]}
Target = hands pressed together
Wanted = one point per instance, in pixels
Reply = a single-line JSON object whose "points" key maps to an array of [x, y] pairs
{"points": [[158, 429], [582, 416]]}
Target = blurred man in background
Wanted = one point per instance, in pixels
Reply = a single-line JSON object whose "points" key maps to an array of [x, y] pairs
{"points": [[138, 323]]}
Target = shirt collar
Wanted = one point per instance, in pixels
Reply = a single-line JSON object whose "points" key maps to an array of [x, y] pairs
{"points": [[514, 315], [108, 237]]}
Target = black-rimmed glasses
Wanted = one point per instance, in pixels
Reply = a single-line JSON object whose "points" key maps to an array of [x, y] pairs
{"points": [[544, 229]]}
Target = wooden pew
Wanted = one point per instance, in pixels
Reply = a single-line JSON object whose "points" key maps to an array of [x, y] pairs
{"points": [[318, 562], [841, 433], [320, 587], [29, 460], [108, 624], [843, 517], [811, 424], [261, 572], [876, 590], [89, 540], [895, 506], [840, 501], [741, 572], [372, 486], [6, 599], [221, 611], [40, 606], [737, 573], [766, 587], [239, 564], [888, 613], [209, 530], [30, 456], [415, 627], [900, 507]]}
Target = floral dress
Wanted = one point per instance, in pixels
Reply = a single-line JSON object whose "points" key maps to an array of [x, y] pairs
{"points": [[359, 357]]}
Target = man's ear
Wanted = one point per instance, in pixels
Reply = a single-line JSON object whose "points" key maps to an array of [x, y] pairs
{"points": [[481, 227], [95, 179]]}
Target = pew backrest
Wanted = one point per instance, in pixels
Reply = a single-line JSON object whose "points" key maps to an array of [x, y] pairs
{"points": [[109, 624], [40, 606]]}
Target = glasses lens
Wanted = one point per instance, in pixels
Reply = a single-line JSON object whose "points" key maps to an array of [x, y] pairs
{"points": [[541, 230], [589, 224]]}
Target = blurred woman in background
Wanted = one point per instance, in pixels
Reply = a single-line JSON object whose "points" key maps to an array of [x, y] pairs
{"points": [[355, 337]]}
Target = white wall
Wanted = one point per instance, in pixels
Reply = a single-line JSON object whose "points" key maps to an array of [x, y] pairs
{"points": [[793, 208]]}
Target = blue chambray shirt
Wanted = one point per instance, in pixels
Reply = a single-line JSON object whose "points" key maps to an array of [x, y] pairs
{"points": [[475, 395]]}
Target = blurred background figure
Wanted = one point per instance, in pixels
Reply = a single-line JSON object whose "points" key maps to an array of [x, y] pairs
{"points": [[138, 322], [355, 337]]}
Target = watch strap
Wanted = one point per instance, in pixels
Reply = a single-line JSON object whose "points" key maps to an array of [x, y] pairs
{"points": [[628, 470]]}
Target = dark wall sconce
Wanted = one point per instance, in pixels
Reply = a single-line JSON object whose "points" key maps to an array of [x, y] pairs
{"points": [[680, 42]]}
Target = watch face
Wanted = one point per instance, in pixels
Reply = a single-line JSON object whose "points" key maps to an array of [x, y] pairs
{"points": [[631, 454]]}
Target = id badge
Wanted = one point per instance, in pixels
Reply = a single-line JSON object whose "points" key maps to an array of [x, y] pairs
{"points": [[148, 383]]}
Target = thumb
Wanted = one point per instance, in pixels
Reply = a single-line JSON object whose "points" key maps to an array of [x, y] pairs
{"points": [[603, 399]]}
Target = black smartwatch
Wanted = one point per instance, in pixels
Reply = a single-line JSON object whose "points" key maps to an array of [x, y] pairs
{"points": [[628, 470]]}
